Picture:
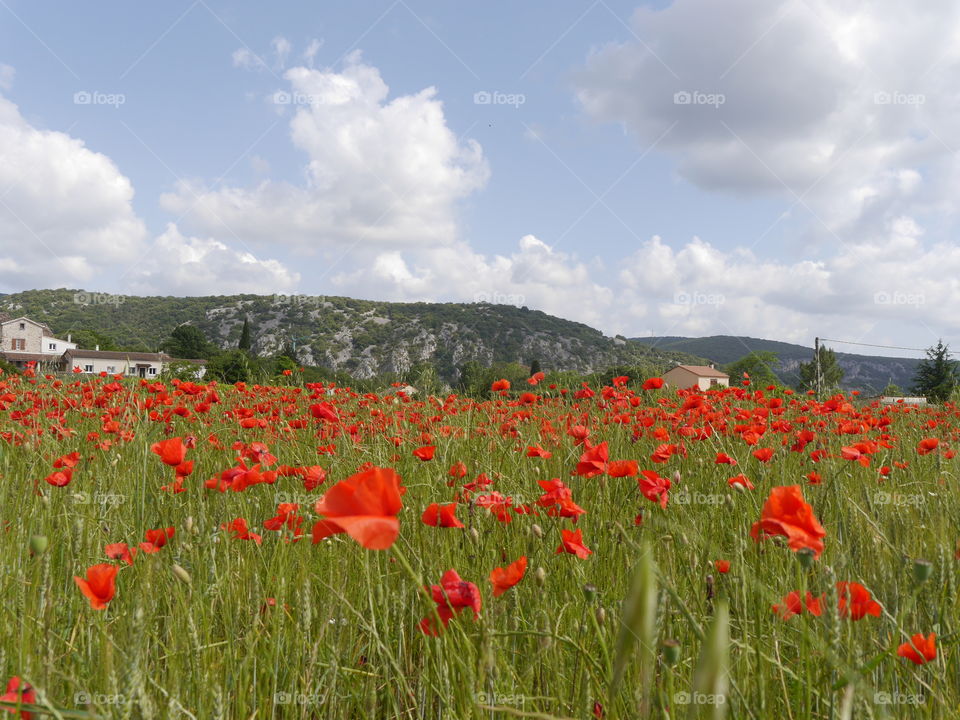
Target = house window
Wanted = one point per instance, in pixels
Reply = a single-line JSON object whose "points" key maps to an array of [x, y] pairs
{"points": [[88, 368], [18, 344], [52, 346], [111, 369], [23, 326], [153, 371], [713, 381], [131, 370]]}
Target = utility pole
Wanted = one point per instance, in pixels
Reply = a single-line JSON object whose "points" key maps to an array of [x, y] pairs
{"points": [[816, 360]]}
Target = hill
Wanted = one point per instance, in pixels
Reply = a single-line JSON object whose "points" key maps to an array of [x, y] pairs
{"points": [[361, 337], [868, 373]]}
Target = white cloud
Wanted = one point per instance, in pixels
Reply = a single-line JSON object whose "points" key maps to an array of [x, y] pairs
{"points": [[310, 54], [854, 107], [65, 211], [247, 59], [7, 73], [202, 266], [382, 172], [281, 50]]}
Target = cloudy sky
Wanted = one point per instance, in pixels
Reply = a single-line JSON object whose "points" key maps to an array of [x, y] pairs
{"points": [[780, 169]]}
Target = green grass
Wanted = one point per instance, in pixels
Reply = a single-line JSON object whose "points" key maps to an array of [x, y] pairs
{"points": [[342, 639]]}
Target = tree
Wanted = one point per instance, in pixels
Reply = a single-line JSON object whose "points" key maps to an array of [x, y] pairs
{"points": [[535, 367], [230, 367], [188, 342], [892, 390], [936, 376], [758, 365], [245, 341], [91, 339], [831, 374]]}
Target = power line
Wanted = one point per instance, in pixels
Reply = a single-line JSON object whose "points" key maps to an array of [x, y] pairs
{"points": [[890, 347]]}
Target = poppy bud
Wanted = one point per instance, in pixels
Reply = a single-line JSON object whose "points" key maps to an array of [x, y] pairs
{"points": [[676, 476], [38, 544], [601, 615], [475, 535], [188, 523], [921, 571], [671, 652], [805, 556], [181, 574], [590, 592], [540, 576], [537, 531]]}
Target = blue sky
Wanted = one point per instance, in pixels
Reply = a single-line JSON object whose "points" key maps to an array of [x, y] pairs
{"points": [[346, 148]]}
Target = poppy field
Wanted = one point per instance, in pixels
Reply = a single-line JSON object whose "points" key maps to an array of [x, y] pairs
{"points": [[174, 549]]}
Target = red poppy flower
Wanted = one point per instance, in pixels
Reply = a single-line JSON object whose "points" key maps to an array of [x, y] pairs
{"points": [[500, 385], [171, 451], [572, 542], [920, 649], [763, 454], [724, 459], [593, 461], [452, 595], [60, 478], [437, 515], [286, 517], [856, 602], [425, 453], [654, 487], [505, 578], [18, 692], [653, 383], [786, 513], [537, 451], [365, 506], [742, 480], [722, 566], [156, 539], [622, 468], [792, 606], [120, 551], [927, 446], [99, 586], [241, 531], [67, 461]]}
